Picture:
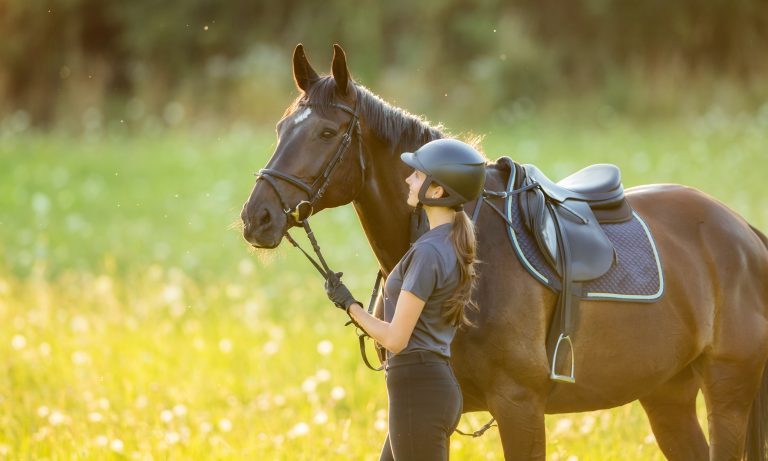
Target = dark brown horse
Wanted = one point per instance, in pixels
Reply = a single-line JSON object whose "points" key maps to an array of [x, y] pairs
{"points": [[709, 331]]}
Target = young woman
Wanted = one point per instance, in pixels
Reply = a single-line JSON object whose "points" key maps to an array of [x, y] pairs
{"points": [[425, 297]]}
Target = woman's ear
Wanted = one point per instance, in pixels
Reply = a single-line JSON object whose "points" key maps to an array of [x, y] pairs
{"points": [[437, 191]]}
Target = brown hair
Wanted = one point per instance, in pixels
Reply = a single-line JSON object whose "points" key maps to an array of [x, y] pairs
{"points": [[465, 245]]}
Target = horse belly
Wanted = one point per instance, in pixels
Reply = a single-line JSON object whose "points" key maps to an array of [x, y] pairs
{"points": [[624, 350]]}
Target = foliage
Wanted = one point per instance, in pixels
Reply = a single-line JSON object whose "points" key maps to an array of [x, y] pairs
{"points": [[61, 58]]}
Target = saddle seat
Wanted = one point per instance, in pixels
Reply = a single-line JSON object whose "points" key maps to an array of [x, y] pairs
{"points": [[565, 218]]}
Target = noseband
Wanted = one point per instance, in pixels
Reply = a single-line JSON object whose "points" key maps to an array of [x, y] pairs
{"points": [[316, 190]]}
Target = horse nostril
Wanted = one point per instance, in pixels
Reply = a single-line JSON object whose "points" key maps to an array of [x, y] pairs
{"points": [[265, 217]]}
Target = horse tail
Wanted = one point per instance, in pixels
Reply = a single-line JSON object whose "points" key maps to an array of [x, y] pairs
{"points": [[756, 447], [760, 235]]}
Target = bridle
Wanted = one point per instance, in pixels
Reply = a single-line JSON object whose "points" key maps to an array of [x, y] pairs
{"points": [[299, 214], [317, 189]]}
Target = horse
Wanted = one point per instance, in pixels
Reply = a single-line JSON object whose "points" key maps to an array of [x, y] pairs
{"points": [[708, 332]]}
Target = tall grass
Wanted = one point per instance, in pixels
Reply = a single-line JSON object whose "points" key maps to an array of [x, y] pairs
{"points": [[136, 324]]}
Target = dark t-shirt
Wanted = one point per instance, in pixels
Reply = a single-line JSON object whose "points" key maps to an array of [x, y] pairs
{"points": [[429, 270]]}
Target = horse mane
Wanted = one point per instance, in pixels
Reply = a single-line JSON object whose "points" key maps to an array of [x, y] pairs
{"points": [[397, 127]]}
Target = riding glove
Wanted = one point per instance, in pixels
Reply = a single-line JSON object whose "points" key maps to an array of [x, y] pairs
{"points": [[338, 293]]}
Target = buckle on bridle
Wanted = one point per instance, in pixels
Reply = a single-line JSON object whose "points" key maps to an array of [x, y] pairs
{"points": [[301, 211]]}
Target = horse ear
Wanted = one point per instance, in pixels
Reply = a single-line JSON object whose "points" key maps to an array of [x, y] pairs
{"points": [[339, 69], [303, 73]]}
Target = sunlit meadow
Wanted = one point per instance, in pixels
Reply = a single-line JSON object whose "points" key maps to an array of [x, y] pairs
{"points": [[136, 324]]}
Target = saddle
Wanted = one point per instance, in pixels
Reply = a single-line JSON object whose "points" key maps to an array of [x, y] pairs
{"points": [[565, 219]]}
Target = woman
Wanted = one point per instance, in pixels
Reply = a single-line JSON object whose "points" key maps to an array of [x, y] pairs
{"points": [[424, 303]]}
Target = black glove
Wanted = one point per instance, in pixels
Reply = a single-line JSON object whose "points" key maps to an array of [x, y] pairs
{"points": [[337, 292]]}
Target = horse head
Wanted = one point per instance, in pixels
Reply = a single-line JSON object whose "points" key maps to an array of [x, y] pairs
{"points": [[319, 160]]}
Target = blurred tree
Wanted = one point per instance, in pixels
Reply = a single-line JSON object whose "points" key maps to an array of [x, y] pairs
{"points": [[64, 56]]}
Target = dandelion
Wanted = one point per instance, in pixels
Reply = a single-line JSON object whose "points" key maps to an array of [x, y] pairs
{"points": [[104, 403], [56, 418], [563, 425], [324, 347], [299, 430], [246, 267], [309, 385], [166, 416], [225, 345], [102, 441], [43, 411], [650, 439], [573, 458], [320, 417], [116, 445], [587, 424], [380, 425], [225, 425], [338, 393], [95, 417], [179, 409], [172, 294], [44, 349], [141, 401], [172, 438], [79, 324], [206, 427], [322, 375], [271, 347], [18, 342], [80, 358]]}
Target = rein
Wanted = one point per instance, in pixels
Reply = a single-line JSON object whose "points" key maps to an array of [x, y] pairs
{"points": [[304, 209]]}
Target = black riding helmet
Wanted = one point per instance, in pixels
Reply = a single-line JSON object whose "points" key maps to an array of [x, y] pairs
{"points": [[452, 164]]}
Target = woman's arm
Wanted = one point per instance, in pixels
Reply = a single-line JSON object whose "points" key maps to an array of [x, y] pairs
{"points": [[393, 336]]}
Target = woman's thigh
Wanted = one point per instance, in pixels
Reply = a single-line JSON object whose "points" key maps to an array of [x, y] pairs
{"points": [[424, 408]]}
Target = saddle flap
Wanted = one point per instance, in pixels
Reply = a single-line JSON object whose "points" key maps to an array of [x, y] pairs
{"points": [[591, 252]]}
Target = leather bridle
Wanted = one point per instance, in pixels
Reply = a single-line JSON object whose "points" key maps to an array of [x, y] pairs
{"points": [[316, 190]]}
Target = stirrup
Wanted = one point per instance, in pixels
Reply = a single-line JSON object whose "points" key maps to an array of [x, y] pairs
{"points": [[553, 374]]}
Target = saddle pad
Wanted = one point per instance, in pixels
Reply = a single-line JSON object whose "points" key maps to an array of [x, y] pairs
{"points": [[636, 277]]}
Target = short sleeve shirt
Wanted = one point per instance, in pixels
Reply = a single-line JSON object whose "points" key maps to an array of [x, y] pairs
{"points": [[429, 270]]}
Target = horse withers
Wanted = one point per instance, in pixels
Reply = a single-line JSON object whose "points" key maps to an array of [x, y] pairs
{"points": [[708, 332]]}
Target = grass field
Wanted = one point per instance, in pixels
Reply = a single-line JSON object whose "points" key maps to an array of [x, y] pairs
{"points": [[136, 324]]}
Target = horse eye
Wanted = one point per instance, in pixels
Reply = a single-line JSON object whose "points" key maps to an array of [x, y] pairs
{"points": [[327, 134]]}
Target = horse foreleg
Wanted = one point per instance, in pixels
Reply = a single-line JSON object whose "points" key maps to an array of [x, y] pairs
{"points": [[520, 415], [671, 410]]}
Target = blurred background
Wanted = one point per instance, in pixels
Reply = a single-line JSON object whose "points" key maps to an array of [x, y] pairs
{"points": [[136, 323], [86, 65]]}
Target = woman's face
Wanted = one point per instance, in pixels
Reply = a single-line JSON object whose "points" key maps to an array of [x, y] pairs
{"points": [[414, 181]]}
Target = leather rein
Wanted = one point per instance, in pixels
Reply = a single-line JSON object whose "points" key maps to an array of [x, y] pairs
{"points": [[300, 213]]}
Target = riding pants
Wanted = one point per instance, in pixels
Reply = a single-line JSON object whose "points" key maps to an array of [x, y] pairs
{"points": [[424, 407]]}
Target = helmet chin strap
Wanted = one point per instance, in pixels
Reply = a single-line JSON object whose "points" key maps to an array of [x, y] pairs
{"points": [[439, 201]]}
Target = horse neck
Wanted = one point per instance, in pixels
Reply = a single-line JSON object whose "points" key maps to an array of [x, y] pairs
{"points": [[381, 205]]}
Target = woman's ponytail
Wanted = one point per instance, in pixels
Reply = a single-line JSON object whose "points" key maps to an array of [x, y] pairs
{"points": [[465, 245]]}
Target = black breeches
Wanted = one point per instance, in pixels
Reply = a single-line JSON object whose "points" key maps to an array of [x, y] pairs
{"points": [[424, 408]]}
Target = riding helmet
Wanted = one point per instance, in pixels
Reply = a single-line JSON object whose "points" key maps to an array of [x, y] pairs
{"points": [[452, 164]]}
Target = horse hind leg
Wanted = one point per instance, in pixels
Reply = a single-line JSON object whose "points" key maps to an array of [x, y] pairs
{"points": [[729, 389], [671, 410]]}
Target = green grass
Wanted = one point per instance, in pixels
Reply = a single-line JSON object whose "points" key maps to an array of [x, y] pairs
{"points": [[136, 324]]}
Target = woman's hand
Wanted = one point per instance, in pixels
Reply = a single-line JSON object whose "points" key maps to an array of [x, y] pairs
{"points": [[338, 293]]}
